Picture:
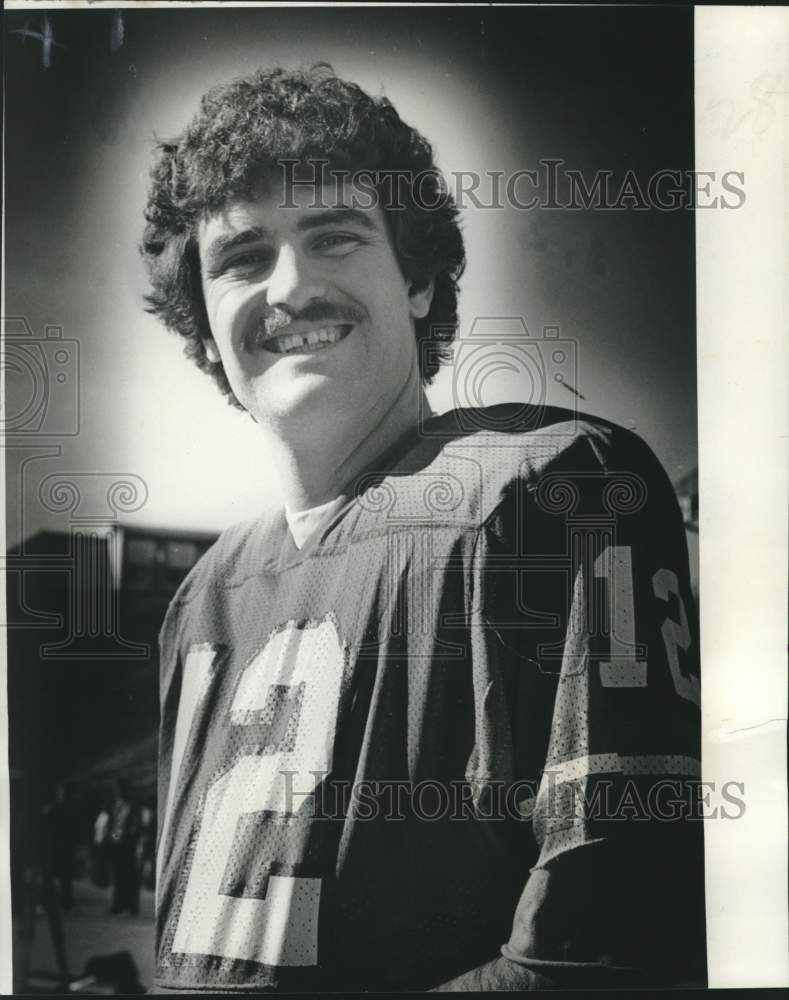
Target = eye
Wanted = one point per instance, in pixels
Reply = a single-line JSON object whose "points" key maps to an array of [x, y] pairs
{"points": [[250, 259], [337, 242], [240, 265]]}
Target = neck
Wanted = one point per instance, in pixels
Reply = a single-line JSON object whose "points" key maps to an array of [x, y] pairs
{"points": [[315, 467]]}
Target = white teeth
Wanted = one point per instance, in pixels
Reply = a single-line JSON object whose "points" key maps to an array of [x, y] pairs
{"points": [[298, 341]]}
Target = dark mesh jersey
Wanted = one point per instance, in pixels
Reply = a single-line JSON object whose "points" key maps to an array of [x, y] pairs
{"points": [[460, 725]]}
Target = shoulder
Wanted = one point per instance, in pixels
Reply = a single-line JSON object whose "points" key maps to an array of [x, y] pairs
{"points": [[241, 549], [542, 434], [489, 453], [246, 544]]}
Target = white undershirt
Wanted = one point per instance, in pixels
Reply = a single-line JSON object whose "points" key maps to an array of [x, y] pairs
{"points": [[305, 523]]}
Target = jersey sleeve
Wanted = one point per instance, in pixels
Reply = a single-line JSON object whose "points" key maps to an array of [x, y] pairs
{"points": [[602, 628]]}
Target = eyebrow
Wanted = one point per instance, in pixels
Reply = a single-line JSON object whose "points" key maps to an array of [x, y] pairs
{"points": [[335, 216], [222, 245]]}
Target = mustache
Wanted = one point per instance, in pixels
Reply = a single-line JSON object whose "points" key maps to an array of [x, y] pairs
{"points": [[268, 325]]}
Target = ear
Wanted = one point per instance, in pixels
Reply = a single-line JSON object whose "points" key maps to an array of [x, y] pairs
{"points": [[211, 350], [421, 300]]}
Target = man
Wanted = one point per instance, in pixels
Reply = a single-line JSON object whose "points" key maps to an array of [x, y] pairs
{"points": [[124, 831], [434, 725]]}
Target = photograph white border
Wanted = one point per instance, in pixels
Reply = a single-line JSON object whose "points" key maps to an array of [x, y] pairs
{"points": [[742, 261]]}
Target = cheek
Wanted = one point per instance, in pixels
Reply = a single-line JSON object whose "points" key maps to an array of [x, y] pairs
{"points": [[391, 303], [226, 309], [217, 300], [212, 302]]}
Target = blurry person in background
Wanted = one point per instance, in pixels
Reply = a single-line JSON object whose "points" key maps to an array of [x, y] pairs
{"points": [[413, 721], [100, 844], [34, 881], [124, 832], [60, 821]]}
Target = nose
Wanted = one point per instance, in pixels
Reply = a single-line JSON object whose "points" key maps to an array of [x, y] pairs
{"points": [[292, 281]]}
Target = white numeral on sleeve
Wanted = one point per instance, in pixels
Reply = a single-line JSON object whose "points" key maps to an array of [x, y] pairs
{"points": [[676, 635], [614, 564]]}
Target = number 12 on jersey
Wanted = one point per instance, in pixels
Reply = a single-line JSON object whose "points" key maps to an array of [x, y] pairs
{"points": [[284, 713], [615, 566]]}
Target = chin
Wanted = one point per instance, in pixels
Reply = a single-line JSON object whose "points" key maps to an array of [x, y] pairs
{"points": [[307, 398]]}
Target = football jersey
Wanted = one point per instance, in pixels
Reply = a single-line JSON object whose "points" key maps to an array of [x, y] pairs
{"points": [[460, 724]]}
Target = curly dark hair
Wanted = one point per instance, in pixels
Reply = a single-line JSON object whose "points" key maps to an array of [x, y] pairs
{"points": [[241, 133]]}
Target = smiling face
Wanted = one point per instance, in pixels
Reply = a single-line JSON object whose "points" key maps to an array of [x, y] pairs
{"points": [[309, 312]]}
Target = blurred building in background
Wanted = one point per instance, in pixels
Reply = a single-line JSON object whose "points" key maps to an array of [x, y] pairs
{"points": [[84, 610]]}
